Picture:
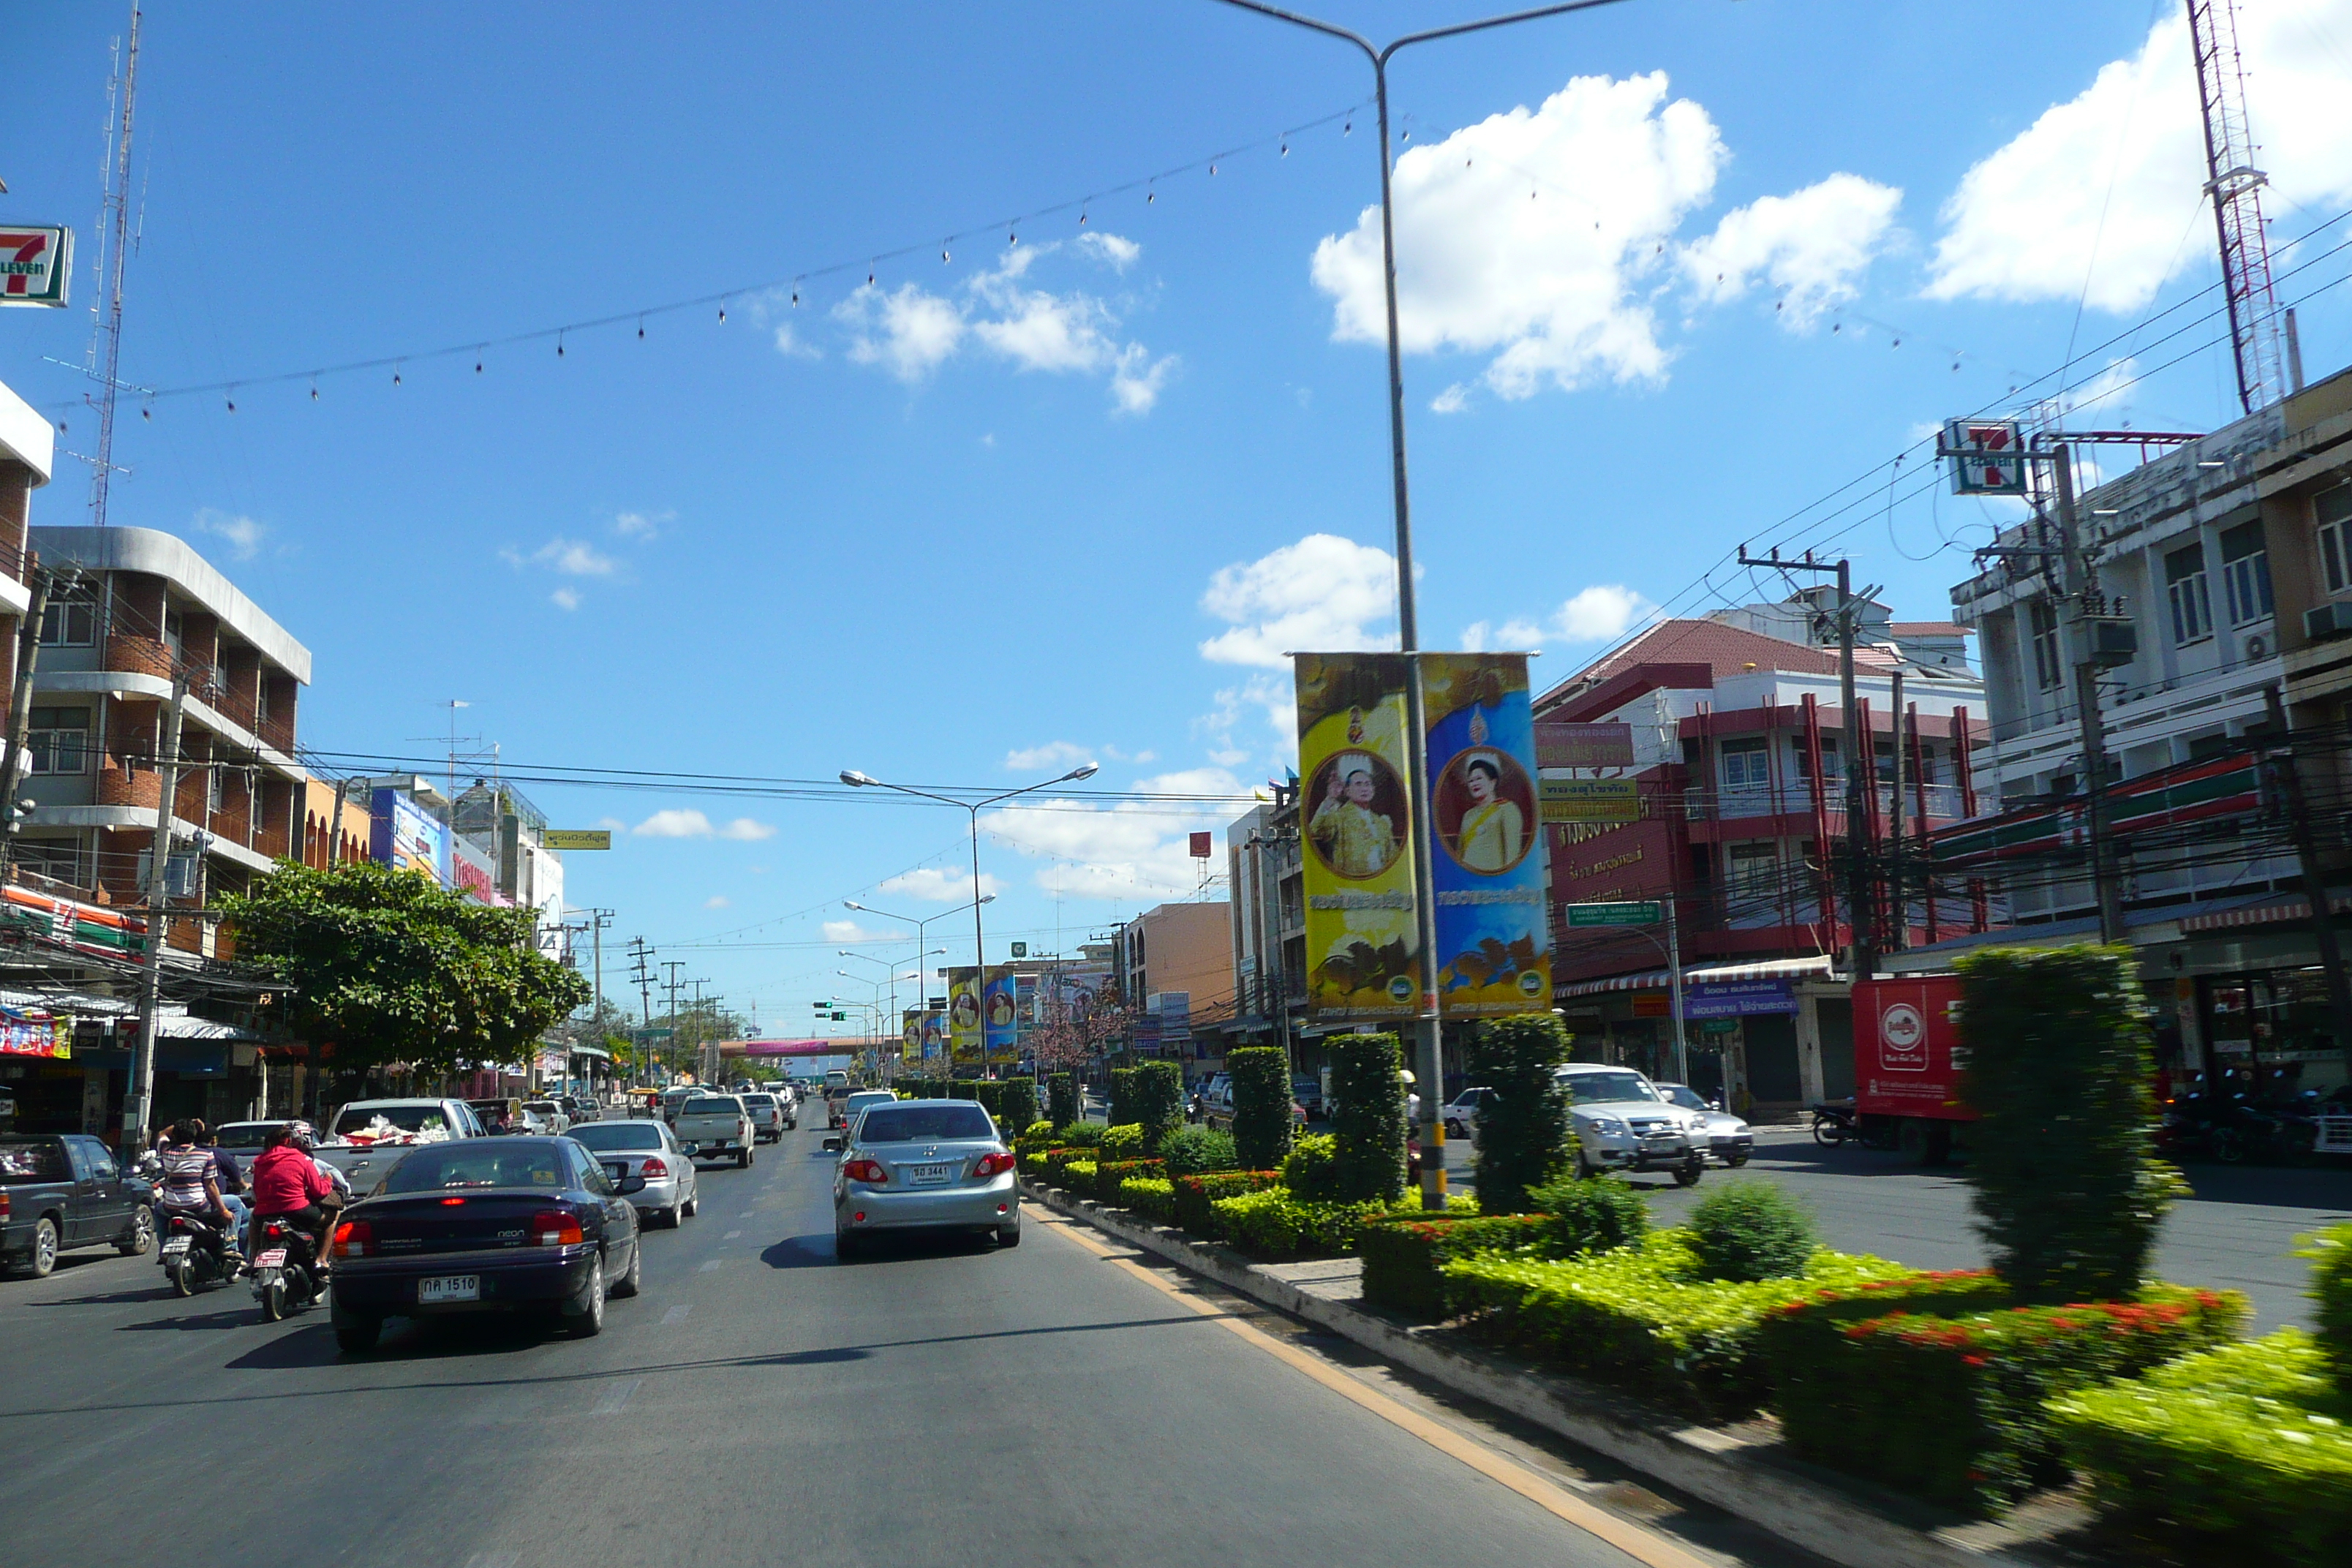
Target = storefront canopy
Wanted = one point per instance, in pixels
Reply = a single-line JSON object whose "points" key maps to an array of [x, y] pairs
{"points": [[1659, 979]]}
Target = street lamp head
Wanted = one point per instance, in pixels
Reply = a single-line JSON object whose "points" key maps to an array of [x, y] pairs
{"points": [[1082, 771], [988, 897], [854, 779], [853, 904]]}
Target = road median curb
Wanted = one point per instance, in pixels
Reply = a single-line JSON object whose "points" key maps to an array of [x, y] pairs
{"points": [[1750, 1477]]}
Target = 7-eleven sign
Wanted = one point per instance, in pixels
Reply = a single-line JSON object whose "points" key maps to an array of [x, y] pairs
{"points": [[1986, 457], [35, 265]]}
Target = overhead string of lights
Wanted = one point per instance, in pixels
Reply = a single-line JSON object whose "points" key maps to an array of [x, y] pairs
{"points": [[869, 262]]}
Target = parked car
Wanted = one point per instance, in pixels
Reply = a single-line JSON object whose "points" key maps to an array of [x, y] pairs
{"points": [[922, 1164], [768, 1117], [61, 1193], [551, 1115], [1728, 1139], [710, 1126], [1461, 1113], [1619, 1121], [368, 1137], [514, 1225], [650, 1151], [579, 1108]]}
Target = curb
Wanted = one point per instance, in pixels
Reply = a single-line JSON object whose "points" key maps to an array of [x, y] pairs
{"points": [[1738, 1475]]}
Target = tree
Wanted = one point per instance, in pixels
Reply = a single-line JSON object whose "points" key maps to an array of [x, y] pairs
{"points": [[391, 967], [1522, 1129], [1072, 1038]]}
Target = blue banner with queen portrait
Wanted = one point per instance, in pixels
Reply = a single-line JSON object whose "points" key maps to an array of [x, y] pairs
{"points": [[1493, 933]]}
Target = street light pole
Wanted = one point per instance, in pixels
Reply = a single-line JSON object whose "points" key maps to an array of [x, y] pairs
{"points": [[922, 953], [1431, 1057]]}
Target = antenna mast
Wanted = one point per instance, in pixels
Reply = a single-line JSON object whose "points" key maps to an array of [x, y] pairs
{"points": [[115, 224], [2235, 186]]}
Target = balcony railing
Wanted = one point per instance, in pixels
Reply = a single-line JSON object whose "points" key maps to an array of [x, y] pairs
{"points": [[1943, 801]]}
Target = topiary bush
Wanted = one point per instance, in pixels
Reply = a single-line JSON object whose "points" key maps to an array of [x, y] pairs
{"points": [[2069, 1194], [1261, 1077], [1123, 1142], [2330, 1252], [1017, 1102], [1110, 1174], [1191, 1151], [1084, 1134], [1311, 1171], [1405, 1257], [1062, 1103], [1151, 1196], [1522, 1130], [1122, 1096], [1594, 1215], [1158, 1101], [1036, 1135], [1370, 1127], [1273, 1226], [1750, 1231], [1196, 1196]]}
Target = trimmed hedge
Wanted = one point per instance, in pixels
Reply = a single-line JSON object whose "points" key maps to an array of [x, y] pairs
{"points": [[1124, 1141], [2241, 1455], [1158, 1101], [2330, 1252], [1151, 1196], [1110, 1174], [1751, 1231], [1261, 1077], [1122, 1096], [1311, 1170], [1084, 1134], [1034, 1161], [1190, 1150], [1405, 1258], [1078, 1175], [1370, 1126], [1060, 1160], [1275, 1227], [1524, 1127], [1637, 1319], [1018, 1103], [1852, 1378], [1196, 1195], [1062, 1100], [1593, 1214]]}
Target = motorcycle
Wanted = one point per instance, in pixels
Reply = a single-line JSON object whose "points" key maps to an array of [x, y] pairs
{"points": [[1835, 1123], [2217, 1127], [195, 1253], [285, 1278]]}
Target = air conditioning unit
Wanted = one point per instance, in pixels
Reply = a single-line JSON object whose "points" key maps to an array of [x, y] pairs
{"points": [[2324, 622], [2257, 648]]}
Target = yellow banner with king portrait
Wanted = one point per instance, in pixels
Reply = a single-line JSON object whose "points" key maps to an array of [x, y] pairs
{"points": [[1355, 811]]}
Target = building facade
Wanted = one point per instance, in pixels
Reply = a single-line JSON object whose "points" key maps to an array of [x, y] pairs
{"points": [[1175, 969]]}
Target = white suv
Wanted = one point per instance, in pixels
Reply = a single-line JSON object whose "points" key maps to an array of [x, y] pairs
{"points": [[1619, 1122]]}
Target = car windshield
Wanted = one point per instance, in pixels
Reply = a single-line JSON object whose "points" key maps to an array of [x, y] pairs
{"points": [[1684, 1095], [1602, 1087], [378, 1120], [483, 1162], [711, 1107], [32, 1160], [935, 1121], [612, 1137]]}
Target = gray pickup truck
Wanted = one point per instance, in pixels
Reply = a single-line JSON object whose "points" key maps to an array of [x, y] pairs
{"points": [[61, 1192], [369, 1137]]}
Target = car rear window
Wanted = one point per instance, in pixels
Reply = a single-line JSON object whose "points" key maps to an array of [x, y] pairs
{"points": [[496, 1162], [246, 1134], [868, 1099], [933, 1119], [613, 1137], [424, 1119], [713, 1106], [31, 1161], [761, 1101]]}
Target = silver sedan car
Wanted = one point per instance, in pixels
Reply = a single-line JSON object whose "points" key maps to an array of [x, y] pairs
{"points": [[1729, 1139], [923, 1164], [647, 1149]]}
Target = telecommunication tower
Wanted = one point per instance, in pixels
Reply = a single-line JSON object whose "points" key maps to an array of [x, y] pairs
{"points": [[2236, 187]]}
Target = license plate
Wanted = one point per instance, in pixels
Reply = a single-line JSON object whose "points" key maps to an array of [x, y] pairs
{"points": [[176, 1246], [455, 1287], [926, 1175], [273, 1259]]}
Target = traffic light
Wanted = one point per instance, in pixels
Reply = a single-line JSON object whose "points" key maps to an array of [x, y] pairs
{"points": [[841, 1018]]}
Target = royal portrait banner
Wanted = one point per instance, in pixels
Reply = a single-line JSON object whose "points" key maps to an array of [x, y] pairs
{"points": [[1355, 811], [1494, 933]]}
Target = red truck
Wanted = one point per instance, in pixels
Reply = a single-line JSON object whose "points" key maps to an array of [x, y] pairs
{"points": [[1907, 1065]]}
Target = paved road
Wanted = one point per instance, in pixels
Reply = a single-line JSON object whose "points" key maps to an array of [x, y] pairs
{"points": [[2238, 1232], [942, 1403]]}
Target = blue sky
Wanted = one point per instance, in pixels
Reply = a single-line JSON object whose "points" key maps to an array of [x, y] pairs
{"points": [[1068, 493]]}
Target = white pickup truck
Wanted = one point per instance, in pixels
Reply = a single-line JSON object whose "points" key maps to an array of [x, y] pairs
{"points": [[369, 1137], [713, 1126]]}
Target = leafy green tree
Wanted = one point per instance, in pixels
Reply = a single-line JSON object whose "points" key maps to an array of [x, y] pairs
{"points": [[391, 967]]}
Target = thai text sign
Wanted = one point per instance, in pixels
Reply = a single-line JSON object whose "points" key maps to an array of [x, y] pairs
{"points": [[1592, 799], [1615, 914], [577, 838], [1736, 998], [1584, 745]]}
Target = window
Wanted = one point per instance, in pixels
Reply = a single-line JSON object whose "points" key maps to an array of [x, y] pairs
{"points": [[2246, 572], [59, 739], [2334, 512], [1746, 764], [1830, 771], [1753, 871], [70, 620], [2192, 608], [2049, 670]]}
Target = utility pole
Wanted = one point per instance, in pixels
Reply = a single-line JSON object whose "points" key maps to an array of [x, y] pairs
{"points": [[1675, 988], [1898, 929], [675, 984], [2081, 590], [1861, 912], [139, 1102], [641, 974], [20, 708], [2287, 779]]}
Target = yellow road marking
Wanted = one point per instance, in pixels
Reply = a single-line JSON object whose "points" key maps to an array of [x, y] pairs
{"points": [[1640, 1545]]}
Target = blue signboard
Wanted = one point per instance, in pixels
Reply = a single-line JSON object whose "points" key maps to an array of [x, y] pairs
{"points": [[1736, 998]]}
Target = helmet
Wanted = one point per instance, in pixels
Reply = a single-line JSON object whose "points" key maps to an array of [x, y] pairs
{"points": [[301, 1135]]}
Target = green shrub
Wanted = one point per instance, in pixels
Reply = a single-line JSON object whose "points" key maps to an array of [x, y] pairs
{"points": [[1060, 1160], [1036, 1135], [2069, 1194], [1124, 1142], [2330, 1252], [1370, 1126], [1261, 1076], [1311, 1170], [1151, 1196], [1158, 1101], [1190, 1150], [2241, 1455], [1275, 1226], [1405, 1257], [1523, 1126], [1110, 1174], [1853, 1372], [1591, 1216], [1078, 1175], [1122, 1096], [1084, 1134], [1636, 1318], [1017, 1102], [1751, 1231], [1034, 1160], [1062, 1098], [1196, 1196]]}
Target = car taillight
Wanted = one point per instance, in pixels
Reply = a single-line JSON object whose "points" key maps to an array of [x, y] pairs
{"points": [[354, 1239], [6, 1208], [555, 1228], [993, 1165], [654, 1167], [865, 1171]]}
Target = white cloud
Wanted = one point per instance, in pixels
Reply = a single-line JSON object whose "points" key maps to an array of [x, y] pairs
{"points": [[1137, 378], [1599, 614], [682, 822], [908, 333], [1810, 246], [1452, 400], [643, 525], [789, 344], [934, 886], [1272, 697], [566, 598], [2099, 197], [1052, 754], [1322, 595], [1116, 250], [243, 535], [850, 932], [570, 557], [716, 901], [1121, 852], [612, 823]]}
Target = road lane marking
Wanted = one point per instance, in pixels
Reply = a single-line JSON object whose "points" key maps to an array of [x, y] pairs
{"points": [[1640, 1545], [614, 1397], [708, 1267], [676, 1315], [730, 1235]]}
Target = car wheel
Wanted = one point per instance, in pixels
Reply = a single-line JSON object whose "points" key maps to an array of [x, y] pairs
{"points": [[665, 1219], [142, 1240], [844, 1246], [1584, 1172], [628, 1284], [1737, 1160], [588, 1320], [355, 1332], [1008, 1236], [1453, 1128], [692, 1205], [1688, 1173], [44, 1256]]}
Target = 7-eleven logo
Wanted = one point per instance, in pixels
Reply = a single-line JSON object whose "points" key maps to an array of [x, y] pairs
{"points": [[33, 265]]}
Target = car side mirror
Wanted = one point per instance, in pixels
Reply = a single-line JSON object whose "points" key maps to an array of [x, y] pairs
{"points": [[832, 1145], [629, 1184]]}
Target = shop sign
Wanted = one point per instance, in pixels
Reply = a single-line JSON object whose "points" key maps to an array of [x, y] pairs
{"points": [[1584, 745], [1719, 1026], [576, 838], [1634, 913], [1591, 800], [35, 1035], [1738, 999], [1652, 1004]]}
